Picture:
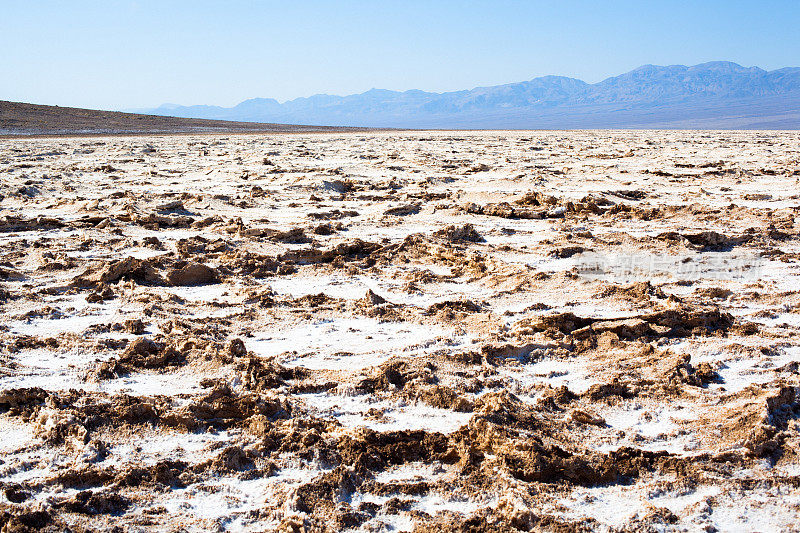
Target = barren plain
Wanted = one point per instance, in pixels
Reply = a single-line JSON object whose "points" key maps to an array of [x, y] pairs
{"points": [[429, 331]]}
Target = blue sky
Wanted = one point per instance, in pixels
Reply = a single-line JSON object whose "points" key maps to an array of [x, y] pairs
{"points": [[140, 53]]}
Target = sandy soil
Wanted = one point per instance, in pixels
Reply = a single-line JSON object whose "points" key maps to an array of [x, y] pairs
{"points": [[496, 331]]}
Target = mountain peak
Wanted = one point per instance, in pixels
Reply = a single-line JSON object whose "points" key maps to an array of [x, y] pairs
{"points": [[649, 95]]}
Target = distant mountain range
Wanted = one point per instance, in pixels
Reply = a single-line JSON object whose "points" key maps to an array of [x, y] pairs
{"points": [[716, 95]]}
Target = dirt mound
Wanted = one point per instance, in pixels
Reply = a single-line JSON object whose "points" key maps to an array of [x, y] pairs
{"points": [[465, 233]]}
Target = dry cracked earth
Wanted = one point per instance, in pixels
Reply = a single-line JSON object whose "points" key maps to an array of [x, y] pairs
{"points": [[495, 331]]}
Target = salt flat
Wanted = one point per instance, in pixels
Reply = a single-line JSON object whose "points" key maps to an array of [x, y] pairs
{"points": [[430, 331]]}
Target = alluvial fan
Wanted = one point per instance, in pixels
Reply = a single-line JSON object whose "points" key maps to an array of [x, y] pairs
{"points": [[489, 331]]}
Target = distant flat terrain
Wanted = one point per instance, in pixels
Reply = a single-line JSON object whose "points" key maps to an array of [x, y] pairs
{"points": [[18, 118]]}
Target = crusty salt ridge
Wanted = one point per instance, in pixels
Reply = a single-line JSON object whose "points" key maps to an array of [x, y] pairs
{"points": [[426, 331]]}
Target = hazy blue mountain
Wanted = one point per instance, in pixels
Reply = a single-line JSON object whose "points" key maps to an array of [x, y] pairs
{"points": [[719, 94]]}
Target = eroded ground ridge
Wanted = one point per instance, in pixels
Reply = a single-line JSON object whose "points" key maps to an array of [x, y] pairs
{"points": [[501, 331]]}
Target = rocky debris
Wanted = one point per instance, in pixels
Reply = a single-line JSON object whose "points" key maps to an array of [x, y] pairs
{"points": [[94, 503], [337, 186], [142, 271], [642, 291], [101, 293], [146, 353], [155, 221], [465, 233], [683, 372], [375, 451], [10, 274], [199, 245], [255, 265], [679, 322], [259, 375], [292, 236], [449, 310], [439, 396], [371, 299], [22, 401], [567, 251], [10, 223], [537, 198], [24, 521], [174, 207], [565, 323], [504, 210], [768, 432], [333, 214], [187, 274], [707, 240], [584, 417], [403, 210], [351, 251], [236, 348]]}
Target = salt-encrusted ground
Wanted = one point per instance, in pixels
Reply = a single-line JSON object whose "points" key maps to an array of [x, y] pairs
{"points": [[498, 331]]}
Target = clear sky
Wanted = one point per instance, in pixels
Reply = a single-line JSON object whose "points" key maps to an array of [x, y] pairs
{"points": [[108, 54]]}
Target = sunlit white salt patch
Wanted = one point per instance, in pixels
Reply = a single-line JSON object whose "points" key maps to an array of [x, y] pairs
{"points": [[785, 276], [153, 384], [787, 469], [150, 449], [598, 311], [677, 501], [52, 369], [206, 293], [767, 510], [739, 372], [663, 268], [615, 505], [55, 326], [395, 232], [655, 428], [648, 422], [224, 497], [353, 411], [76, 315], [351, 343], [334, 285], [778, 320], [561, 302], [554, 372], [136, 253], [34, 234], [36, 463], [52, 381], [229, 501], [392, 289], [171, 234], [737, 369], [16, 434], [435, 503], [397, 522]]}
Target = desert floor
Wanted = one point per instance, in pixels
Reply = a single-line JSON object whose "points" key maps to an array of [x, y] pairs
{"points": [[431, 331]]}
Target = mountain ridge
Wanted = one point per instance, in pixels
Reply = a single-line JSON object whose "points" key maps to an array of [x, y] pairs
{"points": [[648, 96], [24, 119]]}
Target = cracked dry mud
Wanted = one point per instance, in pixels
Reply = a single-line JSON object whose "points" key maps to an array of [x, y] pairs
{"points": [[497, 331]]}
